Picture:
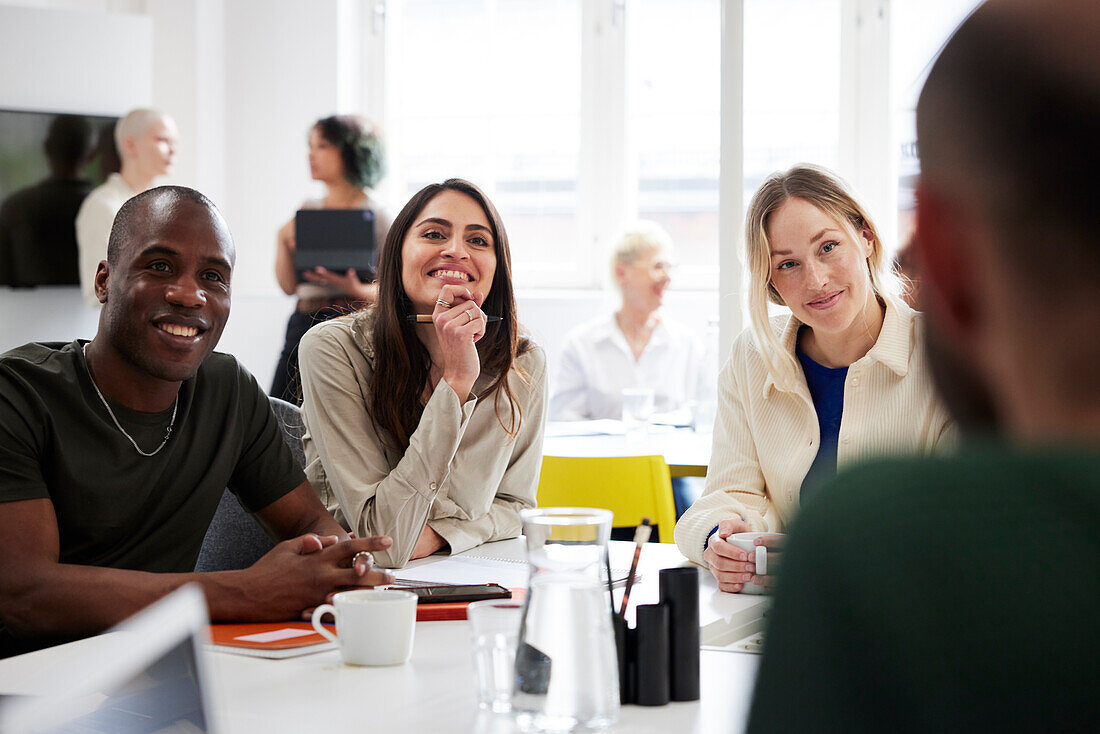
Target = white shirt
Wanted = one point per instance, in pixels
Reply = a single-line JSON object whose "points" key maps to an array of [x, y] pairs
{"points": [[93, 228], [597, 363]]}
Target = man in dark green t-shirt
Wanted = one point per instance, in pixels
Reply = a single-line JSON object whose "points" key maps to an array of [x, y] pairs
{"points": [[114, 453], [963, 593]]}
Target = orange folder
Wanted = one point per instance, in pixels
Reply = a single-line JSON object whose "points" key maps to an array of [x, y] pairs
{"points": [[226, 635]]}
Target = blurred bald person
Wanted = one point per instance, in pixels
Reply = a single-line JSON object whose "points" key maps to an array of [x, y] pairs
{"points": [[146, 141], [963, 593]]}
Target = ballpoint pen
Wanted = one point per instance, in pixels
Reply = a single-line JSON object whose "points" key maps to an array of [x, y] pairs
{"points": [[426, 318]]}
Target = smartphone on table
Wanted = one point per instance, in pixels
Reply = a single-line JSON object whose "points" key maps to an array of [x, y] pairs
{"points": [[441, 593]]}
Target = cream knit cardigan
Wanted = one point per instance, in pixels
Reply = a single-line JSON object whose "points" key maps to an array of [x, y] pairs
{"points": [[765, 438]]}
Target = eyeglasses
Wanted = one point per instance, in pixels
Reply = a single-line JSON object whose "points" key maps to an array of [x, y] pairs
{"points": [[662, 267]]}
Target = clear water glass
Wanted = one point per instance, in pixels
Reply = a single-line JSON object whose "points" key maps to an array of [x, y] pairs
{"points": [[494, 631], [638, 403], [567, 673]]}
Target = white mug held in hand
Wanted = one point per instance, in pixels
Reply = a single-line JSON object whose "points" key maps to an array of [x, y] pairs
{"points": [[758, 554], [373, 626]]}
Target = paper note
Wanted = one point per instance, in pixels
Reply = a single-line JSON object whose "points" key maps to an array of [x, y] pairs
{"points": [[287, 633], [510, 573], [470, 570]]}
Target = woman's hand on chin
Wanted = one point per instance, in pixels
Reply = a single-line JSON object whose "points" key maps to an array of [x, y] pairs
{"points": [[459, 326]]}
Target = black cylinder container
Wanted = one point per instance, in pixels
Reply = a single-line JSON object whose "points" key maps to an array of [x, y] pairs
{"points": [[680, 593]]}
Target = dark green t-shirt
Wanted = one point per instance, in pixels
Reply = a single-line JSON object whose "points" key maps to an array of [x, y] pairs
{"points": [[115, 507], [950, 594]]}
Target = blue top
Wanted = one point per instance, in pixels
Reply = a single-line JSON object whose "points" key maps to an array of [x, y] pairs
{"points": [[827, 391]]}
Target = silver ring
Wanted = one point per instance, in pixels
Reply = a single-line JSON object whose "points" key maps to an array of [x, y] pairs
{"points": [[444, 304], [469, 316], [366, 554]]}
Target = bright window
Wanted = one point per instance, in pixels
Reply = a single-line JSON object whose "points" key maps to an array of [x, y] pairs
{"points": [[494, 91], [673, 121], [919, 28], [577, 115], [792, 86], [476, 94]]}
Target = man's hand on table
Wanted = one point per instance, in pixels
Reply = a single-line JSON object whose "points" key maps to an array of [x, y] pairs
{"points": [[299, 574]]}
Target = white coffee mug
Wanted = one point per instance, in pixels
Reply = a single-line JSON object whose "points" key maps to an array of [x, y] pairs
{"points": [[744, 541], [373, 626]]}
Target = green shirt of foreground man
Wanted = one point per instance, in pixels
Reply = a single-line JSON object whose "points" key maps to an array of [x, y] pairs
{"points": [[963, 593], [114, 453]]}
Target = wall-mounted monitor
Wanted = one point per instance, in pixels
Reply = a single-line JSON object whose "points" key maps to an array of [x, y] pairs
{"points": [[49, 162]]}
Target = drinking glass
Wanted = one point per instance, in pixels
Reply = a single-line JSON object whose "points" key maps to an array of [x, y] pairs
{"points": [[637, 409], [494, 630], [567, 674]]}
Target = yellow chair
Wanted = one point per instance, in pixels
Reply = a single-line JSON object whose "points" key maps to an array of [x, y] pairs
{"points": [[632, 487]]}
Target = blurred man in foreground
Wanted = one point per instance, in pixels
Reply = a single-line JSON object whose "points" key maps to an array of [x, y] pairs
{"points": [[963, 594]]}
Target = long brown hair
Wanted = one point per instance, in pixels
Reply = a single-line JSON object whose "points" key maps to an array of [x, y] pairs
{"points": [[402, 364]]}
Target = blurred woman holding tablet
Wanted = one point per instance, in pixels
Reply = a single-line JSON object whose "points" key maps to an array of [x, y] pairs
{"points": [[346, 155]]}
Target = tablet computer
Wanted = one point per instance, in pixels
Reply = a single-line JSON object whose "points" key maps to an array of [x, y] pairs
{"points": [[335, 239]]}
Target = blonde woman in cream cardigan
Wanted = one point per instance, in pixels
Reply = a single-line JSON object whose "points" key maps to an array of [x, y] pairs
{"points": [[841, 379]]}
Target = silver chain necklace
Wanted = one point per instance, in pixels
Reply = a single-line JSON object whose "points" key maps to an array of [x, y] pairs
{"points": [[111, 413]]}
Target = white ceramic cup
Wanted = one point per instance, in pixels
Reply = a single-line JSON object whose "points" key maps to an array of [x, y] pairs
{"points": [[373, 626], [744, 541]]}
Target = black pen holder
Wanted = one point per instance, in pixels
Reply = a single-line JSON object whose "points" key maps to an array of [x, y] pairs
{"points": [[679, 589], [643, 657], [659, 657]]}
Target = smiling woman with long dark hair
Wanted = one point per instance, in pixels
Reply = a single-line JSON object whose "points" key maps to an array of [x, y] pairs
{"points": [[430, 430]]}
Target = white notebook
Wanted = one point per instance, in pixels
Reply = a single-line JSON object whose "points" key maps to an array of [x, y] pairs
{"points": [[511, 573]]}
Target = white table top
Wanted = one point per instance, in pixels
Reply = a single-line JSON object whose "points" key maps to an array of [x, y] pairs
{"points": [[687, 452], [436, 690]]}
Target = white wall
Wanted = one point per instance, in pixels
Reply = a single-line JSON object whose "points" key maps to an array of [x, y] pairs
{"points": [[71, 61], [75, 61], [280, 76], [244, 80], [243, 107]]}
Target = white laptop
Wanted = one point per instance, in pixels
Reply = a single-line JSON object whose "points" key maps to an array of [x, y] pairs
{"points": [[145, 675]]}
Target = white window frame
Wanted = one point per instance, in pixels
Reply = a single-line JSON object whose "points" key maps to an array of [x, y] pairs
{"points": [[732, 313], [607, 188], [867, 139]]}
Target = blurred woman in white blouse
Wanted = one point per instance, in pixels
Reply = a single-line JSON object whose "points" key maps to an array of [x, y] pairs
{"points": [[634, 347], [840, 379]]}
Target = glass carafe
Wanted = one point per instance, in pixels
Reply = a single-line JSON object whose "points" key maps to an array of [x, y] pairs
{"points": [[567, 674]]}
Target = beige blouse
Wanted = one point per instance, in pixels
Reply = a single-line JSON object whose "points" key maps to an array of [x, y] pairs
{"points": [[462, 473], [765, 439]]}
